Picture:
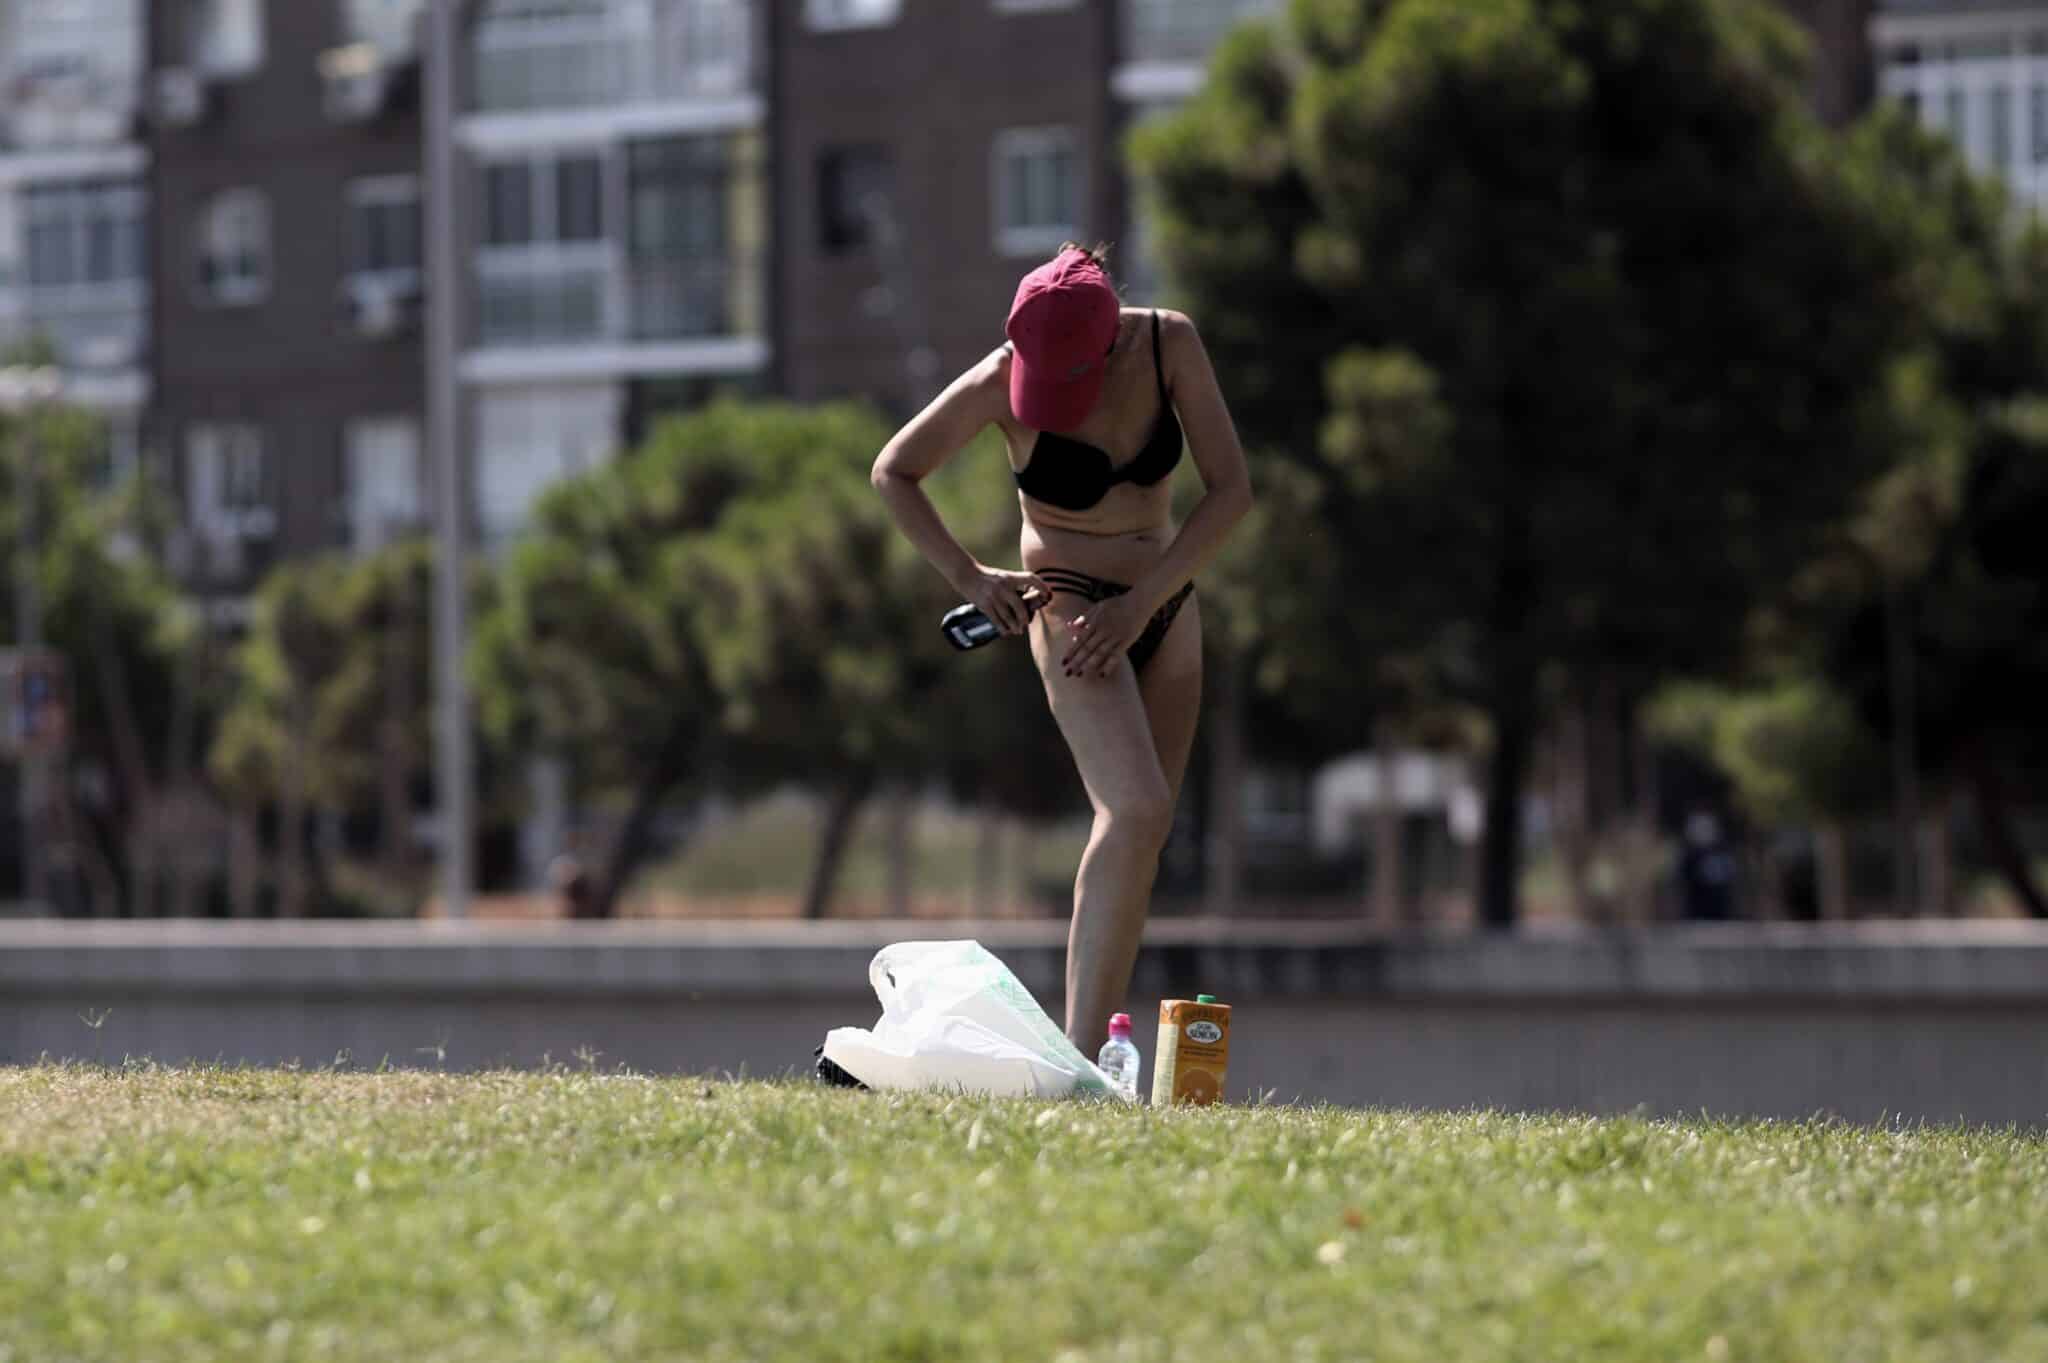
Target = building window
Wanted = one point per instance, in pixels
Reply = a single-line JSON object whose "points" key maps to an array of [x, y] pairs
{"points": [[2037, 98], [714, 43], [384, 226], [383, 473], [390, 26], [234, 247], [1030, 6], [227, 484], [529, 439], [83, 235], [830, 14], [856, 186], [1037, 174], [1956, 112], [1998, 109], [225, 37], [695, 235], [546, 273], [550, 200]]}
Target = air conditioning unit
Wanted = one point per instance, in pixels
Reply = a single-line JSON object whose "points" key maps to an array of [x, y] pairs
{"points": [[381, 307], [179, 98], [357, 82]]}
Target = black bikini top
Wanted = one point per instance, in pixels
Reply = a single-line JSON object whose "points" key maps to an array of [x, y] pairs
{"points": [[1075, 475]]}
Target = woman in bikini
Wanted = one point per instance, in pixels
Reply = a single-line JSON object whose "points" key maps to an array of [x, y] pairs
{"points": [[1092, 399]]}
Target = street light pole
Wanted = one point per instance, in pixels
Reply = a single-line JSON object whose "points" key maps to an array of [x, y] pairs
{"points": [[22, 392], [454, 774]]}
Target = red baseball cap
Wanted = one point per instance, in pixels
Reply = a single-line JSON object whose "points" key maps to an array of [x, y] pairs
{"points": [[1062, 323]]}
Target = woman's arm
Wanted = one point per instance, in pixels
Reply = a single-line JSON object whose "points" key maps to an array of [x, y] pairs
{"points": [[970, 403], [1226, 495]]}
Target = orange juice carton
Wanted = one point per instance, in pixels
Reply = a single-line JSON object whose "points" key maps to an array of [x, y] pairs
{"points": [[1194, 1051]]}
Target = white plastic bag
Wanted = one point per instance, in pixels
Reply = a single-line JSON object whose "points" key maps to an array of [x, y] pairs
{"points": [[954, 1017]]}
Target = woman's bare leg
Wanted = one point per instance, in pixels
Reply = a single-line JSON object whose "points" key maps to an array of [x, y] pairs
{"points": [[1114, 728]]}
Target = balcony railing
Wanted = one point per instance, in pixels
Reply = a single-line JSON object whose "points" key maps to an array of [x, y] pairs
{"points": [[1177, 31], [570, 295], [94, 327], [696, 49]]}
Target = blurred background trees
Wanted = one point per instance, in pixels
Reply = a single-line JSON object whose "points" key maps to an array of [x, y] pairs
{"points": [[1620, 434]]}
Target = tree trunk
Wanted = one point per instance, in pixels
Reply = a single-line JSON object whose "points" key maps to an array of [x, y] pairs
{"points": [[636, 835], [1642, 820], [1389, 907], [898, 844], [245, 864], [1831, 870], [1905, 759], [1223, 852], [1030, 835], [291, 833], [1513, 715], [1994, 812], [841, 807], [394, 796], [1572, 791], [1937, 895], [985, 888], [132, 762]]}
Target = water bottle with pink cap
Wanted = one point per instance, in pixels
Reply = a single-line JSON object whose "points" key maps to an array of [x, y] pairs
{"points": [[1120, 1059]]}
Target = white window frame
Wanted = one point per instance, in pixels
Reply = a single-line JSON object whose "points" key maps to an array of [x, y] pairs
{"points": [[835, 16], [84, 203], [227, 482], [375, 508], [545, 203], [234, 210], [380, 191], [390, 26], [101, 40], [1959, 60], [206, 38], [1026, 239], [717, 44], [1031, 6], [531, 438]]}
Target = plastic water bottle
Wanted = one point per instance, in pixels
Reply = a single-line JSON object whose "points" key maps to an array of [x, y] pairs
{"points": [[1120, 1059]]}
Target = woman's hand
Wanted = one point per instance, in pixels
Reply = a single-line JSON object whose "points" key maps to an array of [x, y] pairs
{"points": [[1102, 634], [1005, 597]]}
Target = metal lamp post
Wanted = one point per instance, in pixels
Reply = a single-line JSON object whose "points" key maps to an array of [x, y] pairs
{"points": [[23, 392], [454, 774]]}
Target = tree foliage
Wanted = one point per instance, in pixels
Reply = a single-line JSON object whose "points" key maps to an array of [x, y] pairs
{"points": [[1562, 317], [138, 695], [730, 605]]}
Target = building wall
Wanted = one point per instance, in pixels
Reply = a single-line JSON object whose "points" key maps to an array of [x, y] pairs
{"points": [[1872, 1022], [935, 87], [292, 363]]}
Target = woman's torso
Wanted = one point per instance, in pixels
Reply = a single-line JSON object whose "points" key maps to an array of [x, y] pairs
{"points": [[1131, 524]]}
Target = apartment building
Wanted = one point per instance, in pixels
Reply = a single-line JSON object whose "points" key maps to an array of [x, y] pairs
{"points": [[284, 144], [616, 228], [1977, 70], [658, 199], [74, 202], [927, 153]]}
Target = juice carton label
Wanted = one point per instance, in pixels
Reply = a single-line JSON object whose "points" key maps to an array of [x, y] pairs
{"points": [[1193, 1054]]}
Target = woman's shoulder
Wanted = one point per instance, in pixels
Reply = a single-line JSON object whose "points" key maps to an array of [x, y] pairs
{"points": [[1170, 319]]}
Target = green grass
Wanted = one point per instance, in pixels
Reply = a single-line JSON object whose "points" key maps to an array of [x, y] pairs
{"points": [[159, 1214]]}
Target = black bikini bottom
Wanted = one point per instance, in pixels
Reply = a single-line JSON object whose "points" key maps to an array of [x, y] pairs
{"points": [[1101, 589]]}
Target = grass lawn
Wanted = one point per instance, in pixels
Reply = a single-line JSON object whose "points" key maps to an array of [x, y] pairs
{"points": [[159, 1214]]}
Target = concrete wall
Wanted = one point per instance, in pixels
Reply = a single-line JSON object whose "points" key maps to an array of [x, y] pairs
{"points": [[1939, 1023]]}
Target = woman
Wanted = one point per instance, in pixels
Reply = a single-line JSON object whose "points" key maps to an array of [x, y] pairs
{"points": [[1092, 399]]}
